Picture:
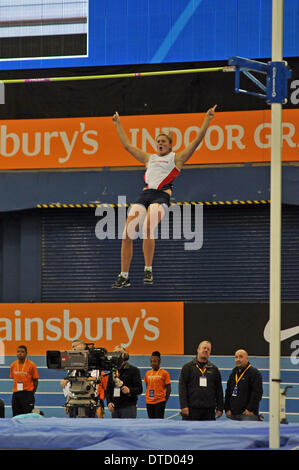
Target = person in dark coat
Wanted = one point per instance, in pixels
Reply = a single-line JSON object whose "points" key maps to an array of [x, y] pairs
{"points": [[244, 390], [200, 387], [123, 387]]}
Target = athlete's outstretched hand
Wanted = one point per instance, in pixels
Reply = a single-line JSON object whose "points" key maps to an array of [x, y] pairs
{"points": [[211, 112], [116, 118]]}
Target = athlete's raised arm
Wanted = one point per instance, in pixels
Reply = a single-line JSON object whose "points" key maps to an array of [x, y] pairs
{"points": [[137, 153], [182, 157]]}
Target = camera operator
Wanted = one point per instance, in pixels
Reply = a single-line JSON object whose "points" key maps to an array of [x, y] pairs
{"points": [[77, 345], [80, 345], [124, 386]]}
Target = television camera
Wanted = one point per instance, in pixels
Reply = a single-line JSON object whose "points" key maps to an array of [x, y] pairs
{"points": [[82, 401]]}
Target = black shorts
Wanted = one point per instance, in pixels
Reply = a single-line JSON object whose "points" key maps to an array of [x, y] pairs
{"points": [[153, 196]]}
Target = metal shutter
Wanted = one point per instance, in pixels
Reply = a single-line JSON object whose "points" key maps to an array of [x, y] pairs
{"points": [[232, 265]]}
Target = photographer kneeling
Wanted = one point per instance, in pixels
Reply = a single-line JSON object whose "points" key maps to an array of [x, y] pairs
{"points": [[124, 386]]}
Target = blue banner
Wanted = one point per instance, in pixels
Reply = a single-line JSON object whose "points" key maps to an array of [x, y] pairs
{"points": [[120, 32]]}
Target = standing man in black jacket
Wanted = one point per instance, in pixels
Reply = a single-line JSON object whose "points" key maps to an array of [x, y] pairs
{"points": [[123, 387], [200, 388], [244, 390]]}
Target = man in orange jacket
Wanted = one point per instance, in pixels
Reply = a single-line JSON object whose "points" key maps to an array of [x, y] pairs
{"points": [[25, 376]]}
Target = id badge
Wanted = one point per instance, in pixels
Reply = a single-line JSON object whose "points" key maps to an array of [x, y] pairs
{"points": [[20, 386], [151, 393], [235, 391], [116, 392], [203, 381]]}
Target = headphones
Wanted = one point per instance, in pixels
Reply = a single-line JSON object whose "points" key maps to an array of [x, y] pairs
{"points": [[125, 354]]}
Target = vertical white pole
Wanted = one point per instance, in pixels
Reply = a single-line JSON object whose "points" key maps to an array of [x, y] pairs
{"points": [[275, 237]]}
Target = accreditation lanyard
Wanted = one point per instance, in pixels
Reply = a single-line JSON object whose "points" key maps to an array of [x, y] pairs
{"points": [[238, 379], [202, 380], [235, 390], [116, 390], [154, 373], [22, 367], [151, 391], [20, 383]]}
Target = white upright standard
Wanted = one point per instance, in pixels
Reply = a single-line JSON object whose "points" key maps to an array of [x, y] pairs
{"points": [[275, 238]]}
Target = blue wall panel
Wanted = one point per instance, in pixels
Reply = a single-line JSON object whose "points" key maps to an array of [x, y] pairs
{"points": [[142, 31], [21, 257], [20, 191]]}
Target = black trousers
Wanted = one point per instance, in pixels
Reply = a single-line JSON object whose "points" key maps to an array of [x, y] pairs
{"points": [[200, 414], [22, 402], [2, 409], [156, 411], [129, 411]]}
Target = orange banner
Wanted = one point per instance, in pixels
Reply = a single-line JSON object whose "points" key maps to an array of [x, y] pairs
{"points": [[233, 137], [141, 326]]}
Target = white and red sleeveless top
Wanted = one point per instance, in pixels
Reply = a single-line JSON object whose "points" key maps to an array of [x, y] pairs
{"points": [[161, 171]]}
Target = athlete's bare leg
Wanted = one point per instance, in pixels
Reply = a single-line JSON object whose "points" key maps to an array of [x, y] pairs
{"points": [[135, 219], [154, 215]]}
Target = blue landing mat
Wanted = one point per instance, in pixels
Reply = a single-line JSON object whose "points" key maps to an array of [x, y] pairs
{"points": [[140, 434]]}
